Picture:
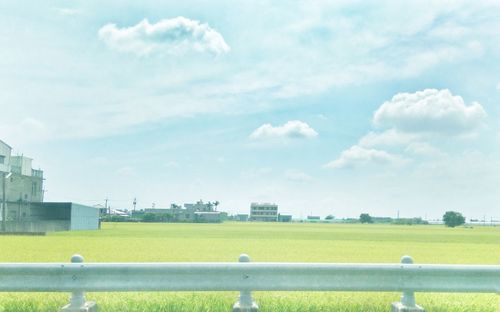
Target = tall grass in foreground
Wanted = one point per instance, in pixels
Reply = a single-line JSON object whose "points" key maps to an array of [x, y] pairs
{"points": [[263, 242], [268, 302]]}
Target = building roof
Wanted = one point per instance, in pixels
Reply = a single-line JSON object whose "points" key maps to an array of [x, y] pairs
{"points": [[20, 157], [2, 142]]}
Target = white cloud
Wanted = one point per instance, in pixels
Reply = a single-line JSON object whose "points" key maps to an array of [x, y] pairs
{"points": [[498, 86], [449, 31], [390, 137], [100, 161], [359, 156], [24, 132], [171, 164], [412, 119], [173, 36], [424, 149], [291, 129], [431, 111], [297, 176], [256, 173], [126, 171], [68, 11]]}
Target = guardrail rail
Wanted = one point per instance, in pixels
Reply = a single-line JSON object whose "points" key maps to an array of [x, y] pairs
{"points": [[78, 277]]}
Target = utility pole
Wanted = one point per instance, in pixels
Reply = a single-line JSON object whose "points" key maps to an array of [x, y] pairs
{"points": [[106, 206], [135, 203], [4, 224]]}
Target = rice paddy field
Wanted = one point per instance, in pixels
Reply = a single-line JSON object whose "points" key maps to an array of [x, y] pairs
{"points": [[264, 242]]}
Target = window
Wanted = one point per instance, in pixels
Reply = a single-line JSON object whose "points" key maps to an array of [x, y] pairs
{"points": [[2, 159]]}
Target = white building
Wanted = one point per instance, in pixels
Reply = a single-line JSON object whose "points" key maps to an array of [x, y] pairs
{"points": [[5, 151], [265, 212]]}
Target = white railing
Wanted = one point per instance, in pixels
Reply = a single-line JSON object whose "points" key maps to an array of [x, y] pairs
{"points": [[406, 277]]}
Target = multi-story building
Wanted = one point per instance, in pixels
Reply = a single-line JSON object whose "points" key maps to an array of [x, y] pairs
{"points": [[5, 151], [23, 184], [265, 212]]}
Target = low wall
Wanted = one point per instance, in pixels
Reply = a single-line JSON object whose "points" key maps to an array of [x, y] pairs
{"points": [[37, 226]]}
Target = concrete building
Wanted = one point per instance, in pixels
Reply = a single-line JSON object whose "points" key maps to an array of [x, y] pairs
{"points": [[5, 152], [264, 212], [284, 218], [25, 184], [23, 209], [21, 184]]}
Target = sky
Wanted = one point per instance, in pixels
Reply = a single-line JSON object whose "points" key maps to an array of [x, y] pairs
{"points": [[323, 107]]}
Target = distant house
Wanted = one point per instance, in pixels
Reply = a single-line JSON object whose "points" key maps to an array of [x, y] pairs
{"points": [[102, 209], [284, 218], [313, 218], [198, 212], [264, 212], [241, 217]]}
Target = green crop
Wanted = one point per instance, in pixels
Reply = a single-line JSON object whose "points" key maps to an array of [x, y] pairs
{"points": [[276, 242]]}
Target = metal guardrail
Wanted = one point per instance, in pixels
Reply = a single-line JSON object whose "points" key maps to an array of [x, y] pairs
{"points": [[78, 277]]}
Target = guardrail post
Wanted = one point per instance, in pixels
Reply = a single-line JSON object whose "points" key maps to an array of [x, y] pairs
{"points": [[245, 302], [407, 303], [77, 302]]}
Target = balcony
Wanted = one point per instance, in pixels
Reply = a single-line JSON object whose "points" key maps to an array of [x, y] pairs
{"points": [[37, 173]]}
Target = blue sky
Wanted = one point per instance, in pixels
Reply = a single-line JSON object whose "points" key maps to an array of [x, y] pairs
{"points": [[324, 108]]}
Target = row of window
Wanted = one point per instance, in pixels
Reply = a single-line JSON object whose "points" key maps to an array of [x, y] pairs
{"points": [[264, 214], [265, 208]]}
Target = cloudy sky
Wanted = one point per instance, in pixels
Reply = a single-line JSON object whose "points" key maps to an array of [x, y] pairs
{"points": [[344, 108]]}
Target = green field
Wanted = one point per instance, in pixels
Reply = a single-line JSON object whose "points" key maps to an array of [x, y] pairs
{"points": [[134, 242]]}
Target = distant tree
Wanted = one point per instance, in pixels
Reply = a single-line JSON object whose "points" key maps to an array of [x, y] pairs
{"points": [[149, 217], [216, 203], [453, 218], [175, 206], [329, 217], [209, 206], [365, 218]]}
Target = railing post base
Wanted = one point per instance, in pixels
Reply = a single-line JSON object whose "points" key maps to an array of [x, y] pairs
{"points": [[77, 301], [407, 303], [88, 306], [245, 302], [245, 308], [400, 307]]}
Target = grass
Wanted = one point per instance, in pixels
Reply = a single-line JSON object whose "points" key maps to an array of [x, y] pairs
{"points": [[131, 242]]}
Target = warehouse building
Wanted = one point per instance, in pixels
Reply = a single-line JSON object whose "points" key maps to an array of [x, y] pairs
{"points": [[51, 217]]}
